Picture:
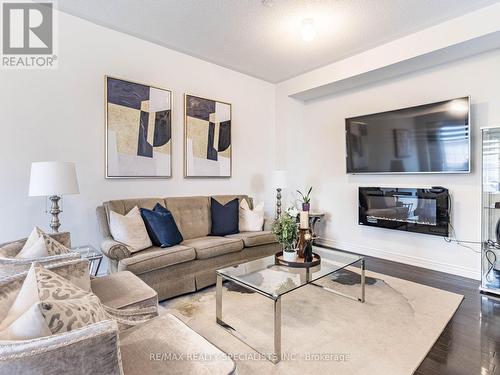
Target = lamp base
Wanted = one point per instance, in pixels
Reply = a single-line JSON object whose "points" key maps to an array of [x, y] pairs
{"points": [[55, 211], [278, 203]]}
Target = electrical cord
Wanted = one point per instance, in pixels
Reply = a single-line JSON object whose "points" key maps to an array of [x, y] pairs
{"points": [[454, 233], [489, 254], [491, 264]]}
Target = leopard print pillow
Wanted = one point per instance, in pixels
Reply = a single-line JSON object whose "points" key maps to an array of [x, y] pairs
{"points": [[64, 305], [53, 247], [48, 304], [66, 315]]}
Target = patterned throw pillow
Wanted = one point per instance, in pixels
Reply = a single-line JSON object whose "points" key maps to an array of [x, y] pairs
{"points": [[48, 304], [40, 245], [54, 247]]}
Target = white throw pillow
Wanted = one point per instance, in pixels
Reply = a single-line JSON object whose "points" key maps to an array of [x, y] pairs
{"points": [[33, 237], [30, 324], [37, 250], [251, 220], [39, 245], [129, 229], [27, 297]]}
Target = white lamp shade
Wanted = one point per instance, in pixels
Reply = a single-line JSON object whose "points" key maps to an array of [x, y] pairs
{"points": [[53, 178], [280, 179]]}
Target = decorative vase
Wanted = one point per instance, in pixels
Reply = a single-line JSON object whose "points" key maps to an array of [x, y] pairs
{"points": [[289, 256], [306, 206]]}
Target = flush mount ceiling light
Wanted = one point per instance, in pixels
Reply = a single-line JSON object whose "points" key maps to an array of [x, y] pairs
{"points": [[308, 32]]}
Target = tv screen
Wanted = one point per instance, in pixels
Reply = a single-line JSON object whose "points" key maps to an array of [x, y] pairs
{"points": [[430, 138]]}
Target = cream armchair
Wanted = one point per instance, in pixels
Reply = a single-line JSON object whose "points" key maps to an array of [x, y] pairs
{"points": [[135, 340], [10, 265]]}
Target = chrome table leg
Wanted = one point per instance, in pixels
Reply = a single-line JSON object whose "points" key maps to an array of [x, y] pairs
{"points": [[218, 299], [363, 267], [277, 330]]}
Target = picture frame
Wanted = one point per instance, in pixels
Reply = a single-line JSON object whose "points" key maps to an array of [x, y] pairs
{"points": [[207, 137], [138, 129]]}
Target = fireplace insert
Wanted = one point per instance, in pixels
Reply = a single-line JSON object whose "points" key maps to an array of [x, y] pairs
{"points": [[413, 210]]}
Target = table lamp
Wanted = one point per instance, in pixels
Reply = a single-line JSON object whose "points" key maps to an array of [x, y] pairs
{"points": [[279, 183], [53, 179]]}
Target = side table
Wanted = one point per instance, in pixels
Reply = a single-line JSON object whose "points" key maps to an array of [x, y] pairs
{"points": [[93, 255]]}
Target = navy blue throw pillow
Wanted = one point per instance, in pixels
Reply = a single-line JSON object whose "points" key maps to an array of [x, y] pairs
{"points": [[161, 226], [225, 218]]}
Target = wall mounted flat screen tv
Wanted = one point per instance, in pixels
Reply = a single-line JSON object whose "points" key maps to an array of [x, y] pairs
{"points": [[430, 138]]}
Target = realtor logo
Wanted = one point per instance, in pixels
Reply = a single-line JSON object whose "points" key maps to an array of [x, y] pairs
{"points": [[27, 35]]}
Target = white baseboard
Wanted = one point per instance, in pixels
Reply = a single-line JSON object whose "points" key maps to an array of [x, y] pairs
{"points": [[406, 259]]}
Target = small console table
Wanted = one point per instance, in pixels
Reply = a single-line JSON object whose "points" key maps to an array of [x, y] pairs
{"points": [[93, 255]]}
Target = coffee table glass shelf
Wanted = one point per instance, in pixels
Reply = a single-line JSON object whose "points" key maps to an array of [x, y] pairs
{"points": [[265, 277]]}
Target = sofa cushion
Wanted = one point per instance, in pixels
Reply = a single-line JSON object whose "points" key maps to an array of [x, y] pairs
{"points": [[251, 239], [142, 347], [212, 246], [251, 220], [155, 258], [129, 229], [191, 214], [122, 290], [161, 226], [225, 217]]}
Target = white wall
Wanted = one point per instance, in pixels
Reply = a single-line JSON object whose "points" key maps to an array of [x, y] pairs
{"points": [[321, 144], [59, 115]]}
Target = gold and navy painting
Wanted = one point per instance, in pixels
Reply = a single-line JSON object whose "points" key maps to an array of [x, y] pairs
{"points": [[138, 130], [207, 137]]}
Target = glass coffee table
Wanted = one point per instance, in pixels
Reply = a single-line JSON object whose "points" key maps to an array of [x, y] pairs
{"points": [[265, 277]]}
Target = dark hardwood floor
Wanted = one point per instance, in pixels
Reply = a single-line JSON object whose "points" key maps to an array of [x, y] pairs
{"points": [[470, 344]]}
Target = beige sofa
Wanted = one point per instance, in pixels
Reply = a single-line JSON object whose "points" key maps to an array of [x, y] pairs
{"points": [[191, 265]]}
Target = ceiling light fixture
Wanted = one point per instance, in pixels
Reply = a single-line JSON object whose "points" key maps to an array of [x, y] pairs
{"points": [[308, 31]]}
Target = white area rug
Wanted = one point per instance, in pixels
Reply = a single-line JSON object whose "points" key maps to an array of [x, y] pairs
{"points": [[323, 333]]}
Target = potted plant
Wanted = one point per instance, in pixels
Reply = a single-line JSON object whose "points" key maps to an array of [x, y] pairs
{"points": [[306, 199], [285, 228]]}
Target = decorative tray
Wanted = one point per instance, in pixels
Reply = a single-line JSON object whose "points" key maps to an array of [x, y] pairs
{"points": [[299, 263]]}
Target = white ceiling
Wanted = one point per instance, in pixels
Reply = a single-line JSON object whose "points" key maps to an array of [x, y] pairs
{"points": [[264, 41]]}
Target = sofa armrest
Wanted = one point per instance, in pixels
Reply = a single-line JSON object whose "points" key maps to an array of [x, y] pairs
{"points": [[268, 224], [127, 318], [114, 249], [93, 349], [11, 249]]}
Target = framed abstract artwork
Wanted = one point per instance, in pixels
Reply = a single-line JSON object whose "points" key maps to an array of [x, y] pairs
{"points": [[207, 137], [138, 130]]}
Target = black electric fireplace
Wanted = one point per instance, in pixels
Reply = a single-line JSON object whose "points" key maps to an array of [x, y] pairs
{"points": [[413, 210]]}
